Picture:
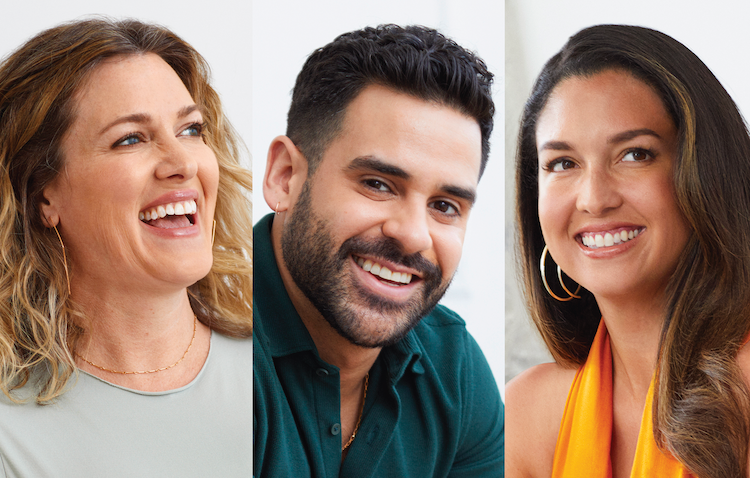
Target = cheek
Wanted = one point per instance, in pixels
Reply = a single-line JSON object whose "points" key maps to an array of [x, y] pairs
{"points": [[448, 246], [552, 207]]}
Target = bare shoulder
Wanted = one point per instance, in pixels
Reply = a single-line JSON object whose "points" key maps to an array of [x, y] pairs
{"points": [[535, 402]]}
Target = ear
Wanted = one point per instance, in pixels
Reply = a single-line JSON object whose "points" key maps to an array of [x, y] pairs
{"points": [[49, 205], [286, 172]]}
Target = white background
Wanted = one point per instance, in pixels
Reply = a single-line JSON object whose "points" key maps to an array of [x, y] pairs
{"points": [[285, 33], [716, 31]]}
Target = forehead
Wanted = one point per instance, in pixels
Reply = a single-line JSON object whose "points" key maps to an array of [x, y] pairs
{"points": [[128, 84], [605, 102], [426, 139]]}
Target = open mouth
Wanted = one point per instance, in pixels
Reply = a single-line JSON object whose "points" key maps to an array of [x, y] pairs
{"points": [[595, 240], [170, 216], [385, 275]]}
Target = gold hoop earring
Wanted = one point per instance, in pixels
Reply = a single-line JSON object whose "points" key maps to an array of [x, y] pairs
{"points": [[277, 208], [65, 258], [559, 276], [213, 233]]}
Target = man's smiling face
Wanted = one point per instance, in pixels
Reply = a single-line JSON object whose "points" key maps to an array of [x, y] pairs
{"points": [[376, 234]]}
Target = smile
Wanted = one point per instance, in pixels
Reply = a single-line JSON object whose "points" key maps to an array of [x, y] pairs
{"points": [[171, 215], [595, 240], [383, 272]]}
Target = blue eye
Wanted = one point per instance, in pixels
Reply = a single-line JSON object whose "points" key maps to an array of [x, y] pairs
{"points": [[129, 140], [195, 129]]}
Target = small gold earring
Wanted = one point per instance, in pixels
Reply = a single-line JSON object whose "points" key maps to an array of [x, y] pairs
{"points": [[277, 208], [559, 277], [213, 233], [65, 258]]}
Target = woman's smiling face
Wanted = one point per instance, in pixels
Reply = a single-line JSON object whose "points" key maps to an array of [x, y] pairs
{"points": [[135, 199], [607, 149]]}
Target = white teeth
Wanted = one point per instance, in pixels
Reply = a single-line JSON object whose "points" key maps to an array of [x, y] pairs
{"points": [[171, 209], [383, 272], [595, 241]]}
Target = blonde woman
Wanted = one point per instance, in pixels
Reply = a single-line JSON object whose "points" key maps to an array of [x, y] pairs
{"points": [[125, 272]]}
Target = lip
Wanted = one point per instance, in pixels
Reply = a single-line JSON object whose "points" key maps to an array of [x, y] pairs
{"points": [[170, 197], [173, 196], [613, 250], [375, 286]]}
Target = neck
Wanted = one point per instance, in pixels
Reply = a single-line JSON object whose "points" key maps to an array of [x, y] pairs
{"points": [[129, 333], [634, 327]]}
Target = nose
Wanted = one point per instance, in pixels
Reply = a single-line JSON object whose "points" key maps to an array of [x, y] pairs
{"points": [[175, 161], [409, 225], [598, 192]]}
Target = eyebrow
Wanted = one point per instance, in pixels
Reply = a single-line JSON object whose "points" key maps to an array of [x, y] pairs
{"points": [[628, 135], [146, 118], [373, 164], [618, 138]]}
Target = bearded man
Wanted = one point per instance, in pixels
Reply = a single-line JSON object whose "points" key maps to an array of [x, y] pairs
{"points": [[358, 371]]}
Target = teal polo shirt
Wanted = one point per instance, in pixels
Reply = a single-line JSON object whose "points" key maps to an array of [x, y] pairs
{"points": [[433, 408]]}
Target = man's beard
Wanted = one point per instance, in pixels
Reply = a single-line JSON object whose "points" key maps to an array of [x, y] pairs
{"points": [[323, 275]]}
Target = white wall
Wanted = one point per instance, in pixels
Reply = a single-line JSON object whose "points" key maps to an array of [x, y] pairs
{"points": [[716, 31], [286, 32]]}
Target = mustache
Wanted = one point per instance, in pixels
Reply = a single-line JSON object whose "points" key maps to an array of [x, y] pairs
{"points": [[390, 250]]}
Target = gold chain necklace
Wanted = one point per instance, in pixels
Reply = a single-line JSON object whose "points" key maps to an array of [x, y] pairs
{"points": [[359, 420], [139, 372]]}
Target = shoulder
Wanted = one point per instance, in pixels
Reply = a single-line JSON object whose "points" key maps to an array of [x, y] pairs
{"points": [[535, 402], [442, 340]]}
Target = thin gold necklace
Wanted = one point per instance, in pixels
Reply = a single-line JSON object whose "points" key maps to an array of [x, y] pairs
{"points": [[139, 372], [359, 420]]}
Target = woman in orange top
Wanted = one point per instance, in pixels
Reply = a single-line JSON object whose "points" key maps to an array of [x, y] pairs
{"points": [[633, 178]]}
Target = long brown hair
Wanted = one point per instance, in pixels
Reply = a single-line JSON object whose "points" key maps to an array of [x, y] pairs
{"points": [[701, 403], [38, 83]]}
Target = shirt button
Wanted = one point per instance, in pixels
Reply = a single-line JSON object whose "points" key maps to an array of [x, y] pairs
{"points": [[335, 429], [321, 372]]}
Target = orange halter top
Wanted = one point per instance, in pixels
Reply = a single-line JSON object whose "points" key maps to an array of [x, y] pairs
{"points": [[583, 444]]}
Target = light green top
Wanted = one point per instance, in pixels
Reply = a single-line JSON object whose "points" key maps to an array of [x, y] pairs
{"points": [[97, 429]]}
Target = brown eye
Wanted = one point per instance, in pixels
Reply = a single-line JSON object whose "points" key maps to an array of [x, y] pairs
{"points": [[444, 207], [376, 184], [561, 164], [638, 155]]}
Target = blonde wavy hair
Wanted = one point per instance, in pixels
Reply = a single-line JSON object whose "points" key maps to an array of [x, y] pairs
{"points": [[37, 85]]}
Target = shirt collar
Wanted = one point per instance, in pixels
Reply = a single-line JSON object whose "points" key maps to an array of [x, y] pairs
{"points": [[271, 302], [288, 335]]}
